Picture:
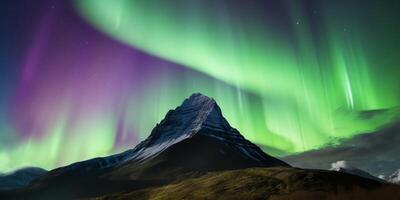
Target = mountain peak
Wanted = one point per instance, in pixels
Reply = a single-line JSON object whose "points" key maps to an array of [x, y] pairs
{"points": [[195, 113], [197, 99]]}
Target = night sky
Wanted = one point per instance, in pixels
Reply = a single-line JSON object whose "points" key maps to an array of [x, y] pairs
{"points": [[87, 78]]}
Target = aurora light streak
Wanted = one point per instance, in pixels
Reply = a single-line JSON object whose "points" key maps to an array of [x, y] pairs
{"points": [[95, 77], [269, 48]]}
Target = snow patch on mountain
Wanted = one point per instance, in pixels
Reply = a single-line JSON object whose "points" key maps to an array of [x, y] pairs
{"points": [[341, 164], [345, 167], [395, 177]]}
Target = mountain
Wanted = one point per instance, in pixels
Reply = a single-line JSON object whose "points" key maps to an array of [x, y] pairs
{"points": [[193, 153], [395, 177], [20, 178], [188, 133], [194, 137], [191, 140], [343, 166]]}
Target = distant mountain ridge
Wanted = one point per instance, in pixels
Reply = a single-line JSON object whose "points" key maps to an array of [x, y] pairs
{"points": [[20, 178]]}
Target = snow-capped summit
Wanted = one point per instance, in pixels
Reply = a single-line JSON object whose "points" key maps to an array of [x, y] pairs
{"points": [[195, 113], [345, 167], [198, 115], [395, 177]]}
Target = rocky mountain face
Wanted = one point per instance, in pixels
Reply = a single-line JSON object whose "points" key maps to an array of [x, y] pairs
{"points": [[192, 139], [195, 126]]}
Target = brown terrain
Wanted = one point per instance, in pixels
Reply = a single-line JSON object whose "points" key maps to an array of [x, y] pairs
{"points": [[276, 183]]}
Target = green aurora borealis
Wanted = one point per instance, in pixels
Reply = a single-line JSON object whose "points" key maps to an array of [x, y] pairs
{"points": [[291, 76], [320, 76]]}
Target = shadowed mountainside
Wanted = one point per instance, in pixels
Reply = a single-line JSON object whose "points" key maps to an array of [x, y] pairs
{"points": [[20, 178]]}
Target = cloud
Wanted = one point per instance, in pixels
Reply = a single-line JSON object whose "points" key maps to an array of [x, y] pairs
{"points": [[376, 152]]}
